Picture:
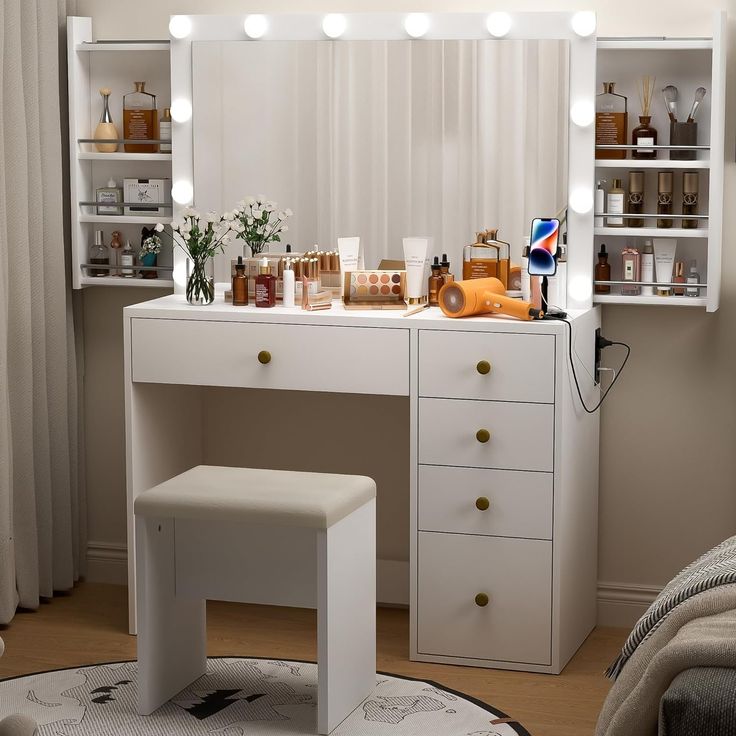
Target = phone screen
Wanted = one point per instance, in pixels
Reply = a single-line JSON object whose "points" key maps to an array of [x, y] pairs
{"points": [[543, 246]]}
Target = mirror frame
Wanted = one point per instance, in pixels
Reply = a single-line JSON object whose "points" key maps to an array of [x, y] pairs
{"points": [[567, 26]]}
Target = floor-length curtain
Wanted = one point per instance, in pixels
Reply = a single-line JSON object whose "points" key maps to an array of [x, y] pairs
{"points": [[40, 502]]}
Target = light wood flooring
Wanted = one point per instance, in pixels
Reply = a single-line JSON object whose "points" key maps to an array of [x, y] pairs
{"points": [[90, 626]]}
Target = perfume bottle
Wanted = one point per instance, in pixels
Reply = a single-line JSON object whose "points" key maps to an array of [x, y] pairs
{"points": [[664, 198], [99, 255], [164, 131], [603, 271], [111, 194], [240, 285], [127, 261], [106, 129], [116, 244], [690, 186], [631, 271], [139, 120], [265, 286], [693, 277], [435, 283], [635, 200], [611, 121]]}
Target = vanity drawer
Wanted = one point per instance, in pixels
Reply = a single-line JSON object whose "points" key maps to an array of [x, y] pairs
{"points": [[487, 365], [515, 575], [299, 357], [521, 436], [502, 503]]}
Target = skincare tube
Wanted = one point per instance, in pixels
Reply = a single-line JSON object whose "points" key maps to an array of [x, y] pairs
{"points": [[415, 257], [664, 258], [349, 250]]}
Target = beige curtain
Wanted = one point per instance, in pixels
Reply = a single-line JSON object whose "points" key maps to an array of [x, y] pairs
{"points": [[40, 501]]}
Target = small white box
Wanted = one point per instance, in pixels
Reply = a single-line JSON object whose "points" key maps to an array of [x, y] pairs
{"points": [[146, 194]]}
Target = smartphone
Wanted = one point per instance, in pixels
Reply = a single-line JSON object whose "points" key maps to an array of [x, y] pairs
{"points": [[543, 246]]}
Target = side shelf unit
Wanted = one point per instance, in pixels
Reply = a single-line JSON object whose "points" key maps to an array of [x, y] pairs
{"points": [[117, 65], [687, 64]]}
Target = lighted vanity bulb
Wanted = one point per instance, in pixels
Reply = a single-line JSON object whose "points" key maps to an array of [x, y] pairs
{"points": [[182, 192], [583, 23], [180, 26], [581, 200], [181, 110], [582, 113], [498, 24], [581, 288], [416, 24], [255, 26], [334, 25]]}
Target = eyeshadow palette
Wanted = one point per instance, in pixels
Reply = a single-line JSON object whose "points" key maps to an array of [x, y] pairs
{"points": [[374, 289]]}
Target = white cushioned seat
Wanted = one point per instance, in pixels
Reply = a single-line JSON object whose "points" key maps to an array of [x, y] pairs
{"points": [[277, 497]]}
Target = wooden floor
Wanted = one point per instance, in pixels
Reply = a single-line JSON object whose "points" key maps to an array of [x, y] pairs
{"points": [[90, 626]]}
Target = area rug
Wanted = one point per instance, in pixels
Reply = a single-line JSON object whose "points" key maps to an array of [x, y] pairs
{"points": [[242, 697]]}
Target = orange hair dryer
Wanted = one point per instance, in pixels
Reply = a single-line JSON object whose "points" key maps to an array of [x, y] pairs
{"points": [[483, 296]]}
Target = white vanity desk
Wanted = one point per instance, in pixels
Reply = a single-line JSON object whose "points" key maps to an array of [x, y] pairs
{"points": [[512, 585]]}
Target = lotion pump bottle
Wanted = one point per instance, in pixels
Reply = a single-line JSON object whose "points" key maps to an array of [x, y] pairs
{"points": [[289, 284]]}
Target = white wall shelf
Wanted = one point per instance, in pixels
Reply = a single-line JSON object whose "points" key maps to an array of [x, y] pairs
{"points": [[121, 282], [123, 46], [122, 156], [126, 219], [655, 44], [661, 164], [659, 301], [652, 232]]}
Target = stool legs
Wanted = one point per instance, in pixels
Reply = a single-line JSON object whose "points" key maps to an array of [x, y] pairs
{"points": [[171, 631], [346, 628]]}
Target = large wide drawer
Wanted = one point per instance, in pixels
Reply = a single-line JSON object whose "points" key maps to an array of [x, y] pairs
{"points": [[502, 503], [520, 436], [515, 576], [361, 360], [487, 365]]}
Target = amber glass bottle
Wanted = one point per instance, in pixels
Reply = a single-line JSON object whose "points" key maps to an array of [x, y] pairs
{"points": [[611, 121], [603, 271], [240, 285], [139, 120], [644, 135]]}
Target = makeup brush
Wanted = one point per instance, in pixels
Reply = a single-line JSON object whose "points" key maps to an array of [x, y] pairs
{"points": [[699, 94], [670, 100]]}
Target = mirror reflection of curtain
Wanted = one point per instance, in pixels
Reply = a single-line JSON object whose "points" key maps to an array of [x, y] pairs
{"points": [[385, 139]]}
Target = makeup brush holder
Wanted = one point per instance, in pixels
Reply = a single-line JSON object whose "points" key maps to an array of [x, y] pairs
{"points": [[683, 134]]}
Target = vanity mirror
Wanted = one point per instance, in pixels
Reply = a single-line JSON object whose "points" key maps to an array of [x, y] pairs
{"points": [[385, 125]]}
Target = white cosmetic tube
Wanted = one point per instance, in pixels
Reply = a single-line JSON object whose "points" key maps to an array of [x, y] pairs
{"points": [[415, 257], [348, 250], [664, 259]]}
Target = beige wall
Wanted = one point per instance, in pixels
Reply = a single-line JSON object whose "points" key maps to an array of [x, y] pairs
{"points": [[668, 455]]}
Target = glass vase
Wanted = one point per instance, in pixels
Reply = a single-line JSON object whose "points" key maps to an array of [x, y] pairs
{"points": [[200, 281]]}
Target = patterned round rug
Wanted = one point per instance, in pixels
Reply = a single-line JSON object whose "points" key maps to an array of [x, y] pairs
{"points": [[241, 696]]}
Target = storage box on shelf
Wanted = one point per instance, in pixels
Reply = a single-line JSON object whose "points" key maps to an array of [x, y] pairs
{"points": [[116, 65], [686, 64]]}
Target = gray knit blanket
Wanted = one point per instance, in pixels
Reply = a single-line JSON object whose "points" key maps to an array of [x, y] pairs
{"points": [[715, 568]]}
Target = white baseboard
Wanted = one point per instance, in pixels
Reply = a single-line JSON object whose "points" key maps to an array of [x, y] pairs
{"points": [[619, 604], [622, 604]]}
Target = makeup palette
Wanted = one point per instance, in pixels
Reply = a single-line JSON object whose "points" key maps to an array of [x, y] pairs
{"points": [[374, 289]]}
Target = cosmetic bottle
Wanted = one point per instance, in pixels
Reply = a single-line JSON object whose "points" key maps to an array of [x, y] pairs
{"points": [[111, 196], [99, 255], [635, 200], [240, 285], [602, 271], [265, 286], [106, 129], [447, 277], [139, 120], [116, 248], [600, 202], [690, 186], [615, 204], [164, 131], [289, 285], [644, 135], [664, 198], [127, 261], [631, 271], [693, 277], [679, 278], [647, 268], [611, 120], [435, 283], [526, 287], [487, 257]]}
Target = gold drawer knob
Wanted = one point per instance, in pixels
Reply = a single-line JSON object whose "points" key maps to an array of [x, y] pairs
{"points": [[483, 435], [482, 599], [483, 367], [482, 503], [264, 357]]}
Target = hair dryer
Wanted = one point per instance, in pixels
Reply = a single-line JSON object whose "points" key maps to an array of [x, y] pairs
{"points": [[483, 296]]}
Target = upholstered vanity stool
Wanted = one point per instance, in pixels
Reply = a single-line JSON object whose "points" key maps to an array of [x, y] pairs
{"points": [[257, 536]]}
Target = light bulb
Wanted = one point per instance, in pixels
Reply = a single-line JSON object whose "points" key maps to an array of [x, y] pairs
{"points": [[180, 272], [255, 26], [581, 200], [416, 24], [181, 110], [498, 24], [582, 113], [583, 23], [182, 192], [334, 25], [581, 287], [180, 26]]}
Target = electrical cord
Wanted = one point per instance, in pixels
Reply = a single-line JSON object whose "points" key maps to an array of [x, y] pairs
{"points": [[616, 376]]}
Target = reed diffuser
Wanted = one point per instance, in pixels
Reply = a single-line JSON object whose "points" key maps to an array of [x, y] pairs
{"points": [[644, 134]]}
